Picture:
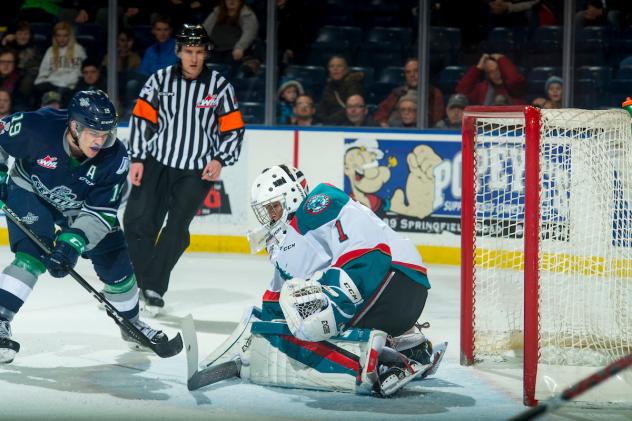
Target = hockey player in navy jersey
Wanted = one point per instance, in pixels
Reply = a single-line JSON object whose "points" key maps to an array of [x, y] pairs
{"points": [[69, 171]]}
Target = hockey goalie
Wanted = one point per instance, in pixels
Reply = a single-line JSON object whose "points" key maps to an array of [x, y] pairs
{"points": [[341, 312]]}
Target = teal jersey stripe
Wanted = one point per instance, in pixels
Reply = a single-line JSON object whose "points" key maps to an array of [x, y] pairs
{"points": [[322, 205], [415, 275]]}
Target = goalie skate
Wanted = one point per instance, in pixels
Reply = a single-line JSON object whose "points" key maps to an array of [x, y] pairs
{"points": [[393, 378], [8, 347]]}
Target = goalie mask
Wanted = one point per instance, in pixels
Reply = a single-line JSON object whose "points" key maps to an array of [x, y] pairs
{"points": [[276, 194]]}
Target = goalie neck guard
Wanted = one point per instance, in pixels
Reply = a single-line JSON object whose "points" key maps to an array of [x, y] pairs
{"points": [[276, 194]]}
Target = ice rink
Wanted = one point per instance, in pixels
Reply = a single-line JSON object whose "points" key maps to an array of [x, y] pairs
{"points": [[73, 364]]}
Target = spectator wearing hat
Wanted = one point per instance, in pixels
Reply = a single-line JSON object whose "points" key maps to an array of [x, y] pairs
{"points": [[407, 109], [356, 114], [553, 94], [494, 75], [90, 77], [51, 99], [287, 94], [454, 112]]}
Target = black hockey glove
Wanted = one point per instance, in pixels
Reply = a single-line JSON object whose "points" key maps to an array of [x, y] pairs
{"points": [[69, 245], [4, 178]]}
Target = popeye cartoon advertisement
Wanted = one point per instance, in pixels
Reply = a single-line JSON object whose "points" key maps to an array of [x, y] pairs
{"points": [[413, 186]]}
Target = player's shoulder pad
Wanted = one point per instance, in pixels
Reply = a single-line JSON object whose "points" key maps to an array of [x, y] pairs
{"points": [[38, 126], [322, 205]]}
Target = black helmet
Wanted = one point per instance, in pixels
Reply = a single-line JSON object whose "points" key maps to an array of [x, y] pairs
{"points": [[193, 35]]}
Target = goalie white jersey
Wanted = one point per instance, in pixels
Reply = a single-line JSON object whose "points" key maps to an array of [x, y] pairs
{"points": [[330, 233]]}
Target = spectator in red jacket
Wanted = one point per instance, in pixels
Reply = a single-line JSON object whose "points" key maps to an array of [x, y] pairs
{"points": [[387, 114], [501, 77]]}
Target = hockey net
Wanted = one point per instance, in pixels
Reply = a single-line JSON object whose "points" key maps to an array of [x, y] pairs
{"points": [[547, 243]]}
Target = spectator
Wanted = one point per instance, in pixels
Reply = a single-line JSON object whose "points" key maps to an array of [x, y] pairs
{"points": [[407, 108], [61, 67], [126, 59], [5, 103], [387, 114], [356, 114], [91, 77], [304, 112], [553, 92], [9, 74], [453, 112], [163, 52], [29, 57], [513, 13], [51, 99], [287, 95], [340, 86], [233, 28], [594, 14], [501, 78]]}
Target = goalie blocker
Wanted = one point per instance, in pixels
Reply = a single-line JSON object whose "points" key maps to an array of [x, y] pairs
{"points": [[266, 353]]}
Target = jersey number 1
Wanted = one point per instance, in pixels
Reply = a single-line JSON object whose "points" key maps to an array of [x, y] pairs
{"points": [[341, 234]]}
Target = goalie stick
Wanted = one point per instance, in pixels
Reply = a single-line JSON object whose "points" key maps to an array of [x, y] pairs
{"points": [[575, 390], [211, 374], [164, 350]]}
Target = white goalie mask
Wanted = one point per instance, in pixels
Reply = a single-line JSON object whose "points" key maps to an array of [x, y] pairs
{"points": [[276, 194]]}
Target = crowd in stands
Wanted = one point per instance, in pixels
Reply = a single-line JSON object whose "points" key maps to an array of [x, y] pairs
{"points": [[340, 62]]}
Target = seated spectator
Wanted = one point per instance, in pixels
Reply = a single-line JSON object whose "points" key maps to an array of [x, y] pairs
{"points": [[9, 74], [501, 77], [29, 57], [126, 59], [287, 94], [5, 103], [304, 112], [387, 114], [407, 109], [553, 92], [509, 13], [91, 79], [163, 52], [356, 114], [51, 99], [340, 86], [233, 28], [594, 14], [453, 112], [61, 66]]}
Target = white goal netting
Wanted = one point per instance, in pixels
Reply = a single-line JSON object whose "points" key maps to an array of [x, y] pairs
{"points": [[585, 237]]}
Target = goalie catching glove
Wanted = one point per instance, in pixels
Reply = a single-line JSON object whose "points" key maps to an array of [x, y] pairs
{"points": [[308, 312]]}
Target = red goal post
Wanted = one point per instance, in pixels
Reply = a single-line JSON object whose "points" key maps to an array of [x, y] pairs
{"points": [[545, 217]]}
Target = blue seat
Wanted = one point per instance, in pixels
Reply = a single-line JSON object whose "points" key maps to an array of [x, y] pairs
{"points": [[593, 37], [601, 75], [585, 93], [392, 75], [379, 91], [312, 73], [330, 33], [92, 29], [369, 74], [222, 68], [252, 112], [449, 77], [626, 62], [624, 73], [44, 29], [378, 59], [395, 35], [538, 76]]}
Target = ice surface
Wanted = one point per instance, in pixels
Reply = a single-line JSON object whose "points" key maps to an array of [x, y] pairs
{"points": [[73, 364]]}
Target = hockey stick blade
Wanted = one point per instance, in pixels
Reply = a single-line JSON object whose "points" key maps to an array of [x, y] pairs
{"points": [[164, 350], [214, 374], [191, 346], [576, 389]]}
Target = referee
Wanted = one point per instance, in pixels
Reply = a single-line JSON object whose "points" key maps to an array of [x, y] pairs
{"points": [[185, 127]]}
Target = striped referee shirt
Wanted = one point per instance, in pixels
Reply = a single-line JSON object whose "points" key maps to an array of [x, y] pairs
{"points": [[186, 123]]}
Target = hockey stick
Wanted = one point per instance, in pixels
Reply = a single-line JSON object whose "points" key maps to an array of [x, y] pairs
{"points": [[576, 389], [213, 374], [164, 350]]}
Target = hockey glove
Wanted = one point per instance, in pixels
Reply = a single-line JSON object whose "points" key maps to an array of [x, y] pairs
{"points": [[69, 245], [4, 177]]}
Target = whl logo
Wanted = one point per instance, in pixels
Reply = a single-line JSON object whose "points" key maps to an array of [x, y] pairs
{"points": [[209, 102], [48, 162]]}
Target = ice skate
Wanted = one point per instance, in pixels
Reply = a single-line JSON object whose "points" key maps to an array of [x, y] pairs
{"points": [[8, 347], [152, 304], [155, 336], [392, 378]]}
